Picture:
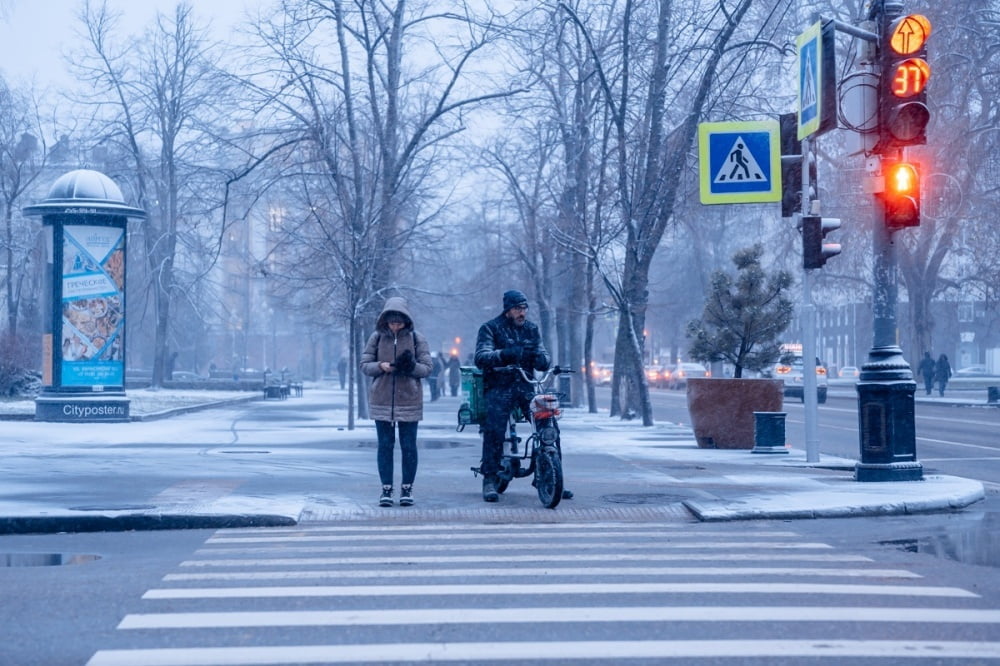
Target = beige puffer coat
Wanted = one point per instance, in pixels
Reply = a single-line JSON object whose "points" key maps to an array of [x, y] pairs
{"points": [[395, 397]]}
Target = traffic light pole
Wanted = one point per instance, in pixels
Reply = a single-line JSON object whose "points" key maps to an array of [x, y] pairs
{"points": [[886, 387]]}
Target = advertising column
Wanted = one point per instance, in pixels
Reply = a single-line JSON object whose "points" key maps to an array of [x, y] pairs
{"points": [[83, 347]]}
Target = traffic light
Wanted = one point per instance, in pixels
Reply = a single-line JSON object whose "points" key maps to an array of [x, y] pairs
{"points": [[903, 112], [814, 251], [902, 195], [791, 166]]}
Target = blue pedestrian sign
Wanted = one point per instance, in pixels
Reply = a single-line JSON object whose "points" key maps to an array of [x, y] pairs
{"points": [[810, 48], [739, 162]]}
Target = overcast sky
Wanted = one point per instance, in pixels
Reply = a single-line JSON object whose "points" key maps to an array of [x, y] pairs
{"points": [[34, 33]]}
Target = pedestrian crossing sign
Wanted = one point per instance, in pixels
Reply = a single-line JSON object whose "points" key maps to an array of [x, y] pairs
{"points": [[739, 162], [810, 49]]}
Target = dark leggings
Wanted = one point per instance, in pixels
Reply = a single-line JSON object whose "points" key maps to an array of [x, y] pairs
{"points": [[407, 445]]}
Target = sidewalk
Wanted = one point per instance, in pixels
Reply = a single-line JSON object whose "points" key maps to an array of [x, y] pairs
{"points": [[294, 461]]}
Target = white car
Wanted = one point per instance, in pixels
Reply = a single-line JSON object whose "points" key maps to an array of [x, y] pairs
{"points": [[791, 375]]}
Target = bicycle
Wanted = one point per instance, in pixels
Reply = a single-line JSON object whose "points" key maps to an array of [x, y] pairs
{"points": [[541, 455]]}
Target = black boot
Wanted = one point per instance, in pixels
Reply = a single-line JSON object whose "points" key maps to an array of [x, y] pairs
{"points": [[490, 493]]}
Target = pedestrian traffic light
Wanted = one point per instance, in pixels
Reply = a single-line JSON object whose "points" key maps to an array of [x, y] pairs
{"points": [[814, 251], [791, 166], [903, 112], [902, 195]]}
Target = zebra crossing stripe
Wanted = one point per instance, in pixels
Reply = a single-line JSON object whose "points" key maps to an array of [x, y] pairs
{"points": [[485, 536], [412, 528], [492, 546], [543, 571], [507, 560], [541, 650], [561, 615], [533, 589]]}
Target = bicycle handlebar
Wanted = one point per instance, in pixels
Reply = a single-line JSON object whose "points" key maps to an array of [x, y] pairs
{"points": [[551, 372]]}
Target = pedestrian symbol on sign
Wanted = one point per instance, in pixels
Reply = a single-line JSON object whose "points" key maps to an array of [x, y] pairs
{"points": [[739, 162], [740, 165]]}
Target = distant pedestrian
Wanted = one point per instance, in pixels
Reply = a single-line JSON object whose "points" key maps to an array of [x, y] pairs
{"points": [[454, 374], [171, 362], [942, 373], [435, 379], [342, 371], [926, 370], [398, 358]]}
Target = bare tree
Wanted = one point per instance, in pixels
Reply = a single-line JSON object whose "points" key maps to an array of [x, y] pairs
{"points": [[955, 245], [22, 156], [650, 145], [370, 124], [152, 98]]}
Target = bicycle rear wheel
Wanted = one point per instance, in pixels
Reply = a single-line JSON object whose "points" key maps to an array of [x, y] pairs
{"points": [[548, 476]]}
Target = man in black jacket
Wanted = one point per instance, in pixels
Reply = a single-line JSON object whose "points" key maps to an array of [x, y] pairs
{"points": [[506, 340]]}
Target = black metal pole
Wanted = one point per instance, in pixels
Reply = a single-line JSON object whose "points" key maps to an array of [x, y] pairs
{"points": [[886, 386]]}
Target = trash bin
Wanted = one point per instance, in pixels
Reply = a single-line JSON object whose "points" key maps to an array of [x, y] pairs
{"points": [[769, 432], [566, 390], [993, 394]]}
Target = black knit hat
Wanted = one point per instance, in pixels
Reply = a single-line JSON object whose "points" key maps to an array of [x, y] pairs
{"points": [[513, 298]]}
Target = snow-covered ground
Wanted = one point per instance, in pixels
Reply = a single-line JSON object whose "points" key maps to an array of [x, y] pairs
{"points": [[144, 401]]}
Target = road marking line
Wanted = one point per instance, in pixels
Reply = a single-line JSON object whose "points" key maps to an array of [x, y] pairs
{"points": [[507, 560], [514, 651], [956, 460], [492, 546], [546, 571], [527, 589], [557, 615], [960, 444]]}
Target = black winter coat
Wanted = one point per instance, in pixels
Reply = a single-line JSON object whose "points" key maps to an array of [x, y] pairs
{"points": [[500, 333]]}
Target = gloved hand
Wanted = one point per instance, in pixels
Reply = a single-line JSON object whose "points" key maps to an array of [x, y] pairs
{"points": [[511, 354], [405, 363], [528, 356]]}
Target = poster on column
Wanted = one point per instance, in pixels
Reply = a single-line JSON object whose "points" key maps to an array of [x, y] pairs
{"points": [[93, 316]]}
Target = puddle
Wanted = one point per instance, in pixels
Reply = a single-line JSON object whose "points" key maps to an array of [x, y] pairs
{"points": [[43, 559], [114, 507], [644, 498], [973, 541]]}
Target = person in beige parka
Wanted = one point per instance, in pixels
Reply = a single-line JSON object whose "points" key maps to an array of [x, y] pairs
{"points": [[397, 357]]}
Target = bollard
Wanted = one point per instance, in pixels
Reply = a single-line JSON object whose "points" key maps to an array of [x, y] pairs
{"points": [[769, 432], [993, 394]]}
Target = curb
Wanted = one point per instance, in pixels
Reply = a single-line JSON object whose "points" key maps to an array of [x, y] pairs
{"points": [[136, 523]]}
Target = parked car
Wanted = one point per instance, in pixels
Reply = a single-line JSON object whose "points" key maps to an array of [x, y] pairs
{"points": [[791, 375], [602, 373], [186, 376], [680, 373], [850, 372], [975, 370]]}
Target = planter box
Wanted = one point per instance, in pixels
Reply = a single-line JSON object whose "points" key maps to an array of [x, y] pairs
{"points": [[721, 410]]}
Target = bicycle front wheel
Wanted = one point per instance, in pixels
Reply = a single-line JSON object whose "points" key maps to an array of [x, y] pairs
{"points": [[548, 476]]}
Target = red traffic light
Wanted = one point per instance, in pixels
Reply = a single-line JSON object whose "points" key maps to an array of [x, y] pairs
{"points": [[902, 196], [901, 179]]}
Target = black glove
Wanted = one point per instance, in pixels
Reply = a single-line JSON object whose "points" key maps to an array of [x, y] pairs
{"points": [[405, 364], [511, 354], [528, 356]]}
